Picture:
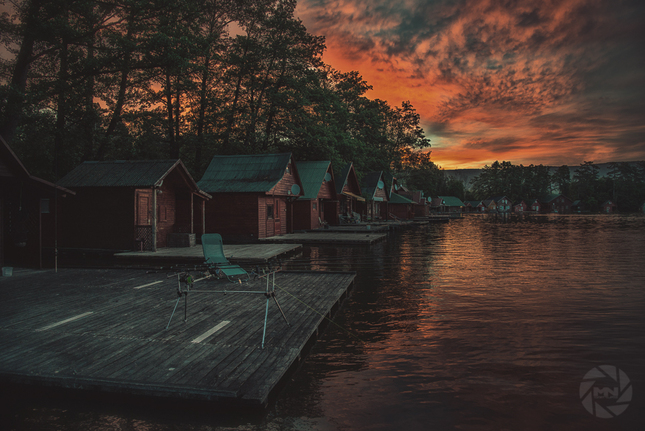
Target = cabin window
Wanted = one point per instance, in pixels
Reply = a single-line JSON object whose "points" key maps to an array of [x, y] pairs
{"points": [[314, 206], [269, 211], [288, 170]]}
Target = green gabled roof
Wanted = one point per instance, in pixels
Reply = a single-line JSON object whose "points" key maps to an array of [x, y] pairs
{"points": [[244, 173], [343, 177], [548, 198], [452, 201], [312, 175], [398, 199], [370, 183], [119, 173]]}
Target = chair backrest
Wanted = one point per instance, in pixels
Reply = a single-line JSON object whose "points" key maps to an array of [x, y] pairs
{"points": [[213, 248]]}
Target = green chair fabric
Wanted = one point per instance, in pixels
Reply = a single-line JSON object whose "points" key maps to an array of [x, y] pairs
{"points": [[214, 254]]}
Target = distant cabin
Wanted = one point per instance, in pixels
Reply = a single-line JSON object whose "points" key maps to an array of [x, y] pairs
{"points": [[520, 207], [490, 205], [400, 207], [534, 205], [448, 204], [252, 195], [318, 205], [608, 207], [126, 205], [27, 206], [375, 194], [502, 204], [557, 203], [348, 192], [420, 207], [474, 206]]}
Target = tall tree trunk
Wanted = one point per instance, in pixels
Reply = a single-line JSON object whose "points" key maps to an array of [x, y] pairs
{"points": [[170, 123], [13, 109], [90, 114], [59, 132]]}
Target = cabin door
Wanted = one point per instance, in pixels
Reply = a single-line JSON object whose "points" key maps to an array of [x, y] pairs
{"points": [[278, 218], [143, 220]]}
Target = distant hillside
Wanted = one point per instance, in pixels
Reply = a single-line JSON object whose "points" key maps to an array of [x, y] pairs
{"points": [[467, 175]]}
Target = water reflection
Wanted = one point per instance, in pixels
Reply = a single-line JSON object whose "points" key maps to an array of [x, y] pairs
{"points": [[481, 323], [487, 323]]}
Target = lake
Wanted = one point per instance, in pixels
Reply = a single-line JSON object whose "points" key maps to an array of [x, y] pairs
{"points": [[481, 323]]}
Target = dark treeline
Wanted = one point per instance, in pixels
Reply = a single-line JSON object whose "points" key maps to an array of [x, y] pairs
{"points": [[624, 184], [149, 79]]}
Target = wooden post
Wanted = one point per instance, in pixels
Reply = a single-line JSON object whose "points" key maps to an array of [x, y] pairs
{"points": [[154, 219], [192, 213]]}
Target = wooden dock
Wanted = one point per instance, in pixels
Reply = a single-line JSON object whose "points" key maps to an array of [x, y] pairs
{"points": [[240, 254], [105, 330], [322, 237]]}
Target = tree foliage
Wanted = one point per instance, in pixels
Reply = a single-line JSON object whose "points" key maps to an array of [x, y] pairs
{"points": [[135, 79]]}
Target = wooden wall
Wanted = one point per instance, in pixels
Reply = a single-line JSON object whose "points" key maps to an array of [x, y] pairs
{"points": [[99, 218], [233, 215]]}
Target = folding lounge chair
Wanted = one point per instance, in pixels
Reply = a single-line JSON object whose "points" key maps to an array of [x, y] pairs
{"points": [[215, 259]]}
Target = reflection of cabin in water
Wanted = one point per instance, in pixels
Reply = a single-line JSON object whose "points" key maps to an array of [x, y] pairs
{"points": [[318, 204], [126, 205], [348, 191], [27, 205], [375, 194], [252, 195]]}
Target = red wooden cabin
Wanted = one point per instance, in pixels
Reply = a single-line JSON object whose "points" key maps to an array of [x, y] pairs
{"points": [[520, 207], [27, 206], [252, 195], [348, 192], [318, 205], [125, 205], [376, 196], [555, 203], [608, 207]]}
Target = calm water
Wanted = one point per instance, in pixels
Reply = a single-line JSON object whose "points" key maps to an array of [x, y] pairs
{"points": [[482, 323]]}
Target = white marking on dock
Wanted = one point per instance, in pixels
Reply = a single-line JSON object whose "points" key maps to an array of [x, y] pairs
{"points": [[149, 284], [62, 322], [210, 332]]}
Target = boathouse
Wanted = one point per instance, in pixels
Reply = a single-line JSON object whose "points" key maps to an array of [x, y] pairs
{"points": [[608, 207], [490, 206], [252, 195], [520, 207], [318, 205], [535, 206], [556, 203], [375, 194], [420, 203], [138, 204], [503, 204], [474, 206], [448, 204], [27, 204], [400, 207], [348, 192]]}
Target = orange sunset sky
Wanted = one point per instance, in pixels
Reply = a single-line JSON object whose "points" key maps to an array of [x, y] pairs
{"points": [[527, 81]]}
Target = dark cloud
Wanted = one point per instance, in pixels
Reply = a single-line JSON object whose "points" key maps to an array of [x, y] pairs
{"points": [[499, 74]]}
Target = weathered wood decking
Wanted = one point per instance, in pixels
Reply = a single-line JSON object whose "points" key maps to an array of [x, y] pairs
{"points": [[105, 330], [240, 254]]}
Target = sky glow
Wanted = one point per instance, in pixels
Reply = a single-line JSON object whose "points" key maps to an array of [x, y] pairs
{"points": [[527, 81]]}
